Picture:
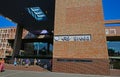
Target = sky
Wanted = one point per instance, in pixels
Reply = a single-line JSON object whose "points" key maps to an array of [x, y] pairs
{"points": [[111, 9], [5, 22]]}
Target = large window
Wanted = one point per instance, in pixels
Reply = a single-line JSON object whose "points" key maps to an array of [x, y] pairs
{"points": [[42, 48], [114, 54], [37, 49], [113, 48]]}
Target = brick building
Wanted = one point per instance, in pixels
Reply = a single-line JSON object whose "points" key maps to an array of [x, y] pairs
{"points": [[77, 27], [5, 34], [80, 19], [8, 34]]}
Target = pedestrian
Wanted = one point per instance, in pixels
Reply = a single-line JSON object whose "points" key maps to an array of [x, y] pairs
{"points": [[2, 63], [15, 62], [27, 63], [35, 61]]}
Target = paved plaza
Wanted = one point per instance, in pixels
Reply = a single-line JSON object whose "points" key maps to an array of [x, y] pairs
{"points": [[37, 71], [19, 73]]}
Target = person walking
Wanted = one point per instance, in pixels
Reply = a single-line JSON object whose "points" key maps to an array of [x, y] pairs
{"points": [[35, 61], [2, 64], [15, 62], [27, 63]]}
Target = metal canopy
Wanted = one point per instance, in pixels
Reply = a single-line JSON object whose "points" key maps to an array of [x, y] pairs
{"points": [[17, 11]]}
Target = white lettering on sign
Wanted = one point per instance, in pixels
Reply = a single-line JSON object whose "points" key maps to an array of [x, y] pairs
{"points": [[72, 38]]}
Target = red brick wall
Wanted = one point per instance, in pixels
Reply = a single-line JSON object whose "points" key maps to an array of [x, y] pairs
{"points": [[80, 17], [93, 67]]}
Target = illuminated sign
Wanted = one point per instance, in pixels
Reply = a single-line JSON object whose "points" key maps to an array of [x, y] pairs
{"points": [[72, 38]]}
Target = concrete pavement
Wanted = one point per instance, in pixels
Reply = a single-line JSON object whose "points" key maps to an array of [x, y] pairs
{"points": [[18, 73]]}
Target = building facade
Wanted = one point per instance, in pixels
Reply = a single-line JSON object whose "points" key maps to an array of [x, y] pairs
{"points": [[6, 49], [5, 34], [79, 38]]}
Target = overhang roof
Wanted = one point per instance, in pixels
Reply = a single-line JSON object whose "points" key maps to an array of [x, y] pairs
{"points": [[16, 11]]}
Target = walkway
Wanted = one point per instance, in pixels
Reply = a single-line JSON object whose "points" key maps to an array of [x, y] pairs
{"points": [[20, 67], [16, 73], [36, 71]]}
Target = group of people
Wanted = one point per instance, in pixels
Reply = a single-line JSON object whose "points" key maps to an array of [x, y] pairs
{"points": [[2, 65], [47, 64], [25, 62]]}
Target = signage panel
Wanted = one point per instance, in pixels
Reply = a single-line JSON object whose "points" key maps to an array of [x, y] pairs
{"points": [[72, 38]]}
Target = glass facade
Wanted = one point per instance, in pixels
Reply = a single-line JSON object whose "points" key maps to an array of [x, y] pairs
{"points": [[37, 49]]}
